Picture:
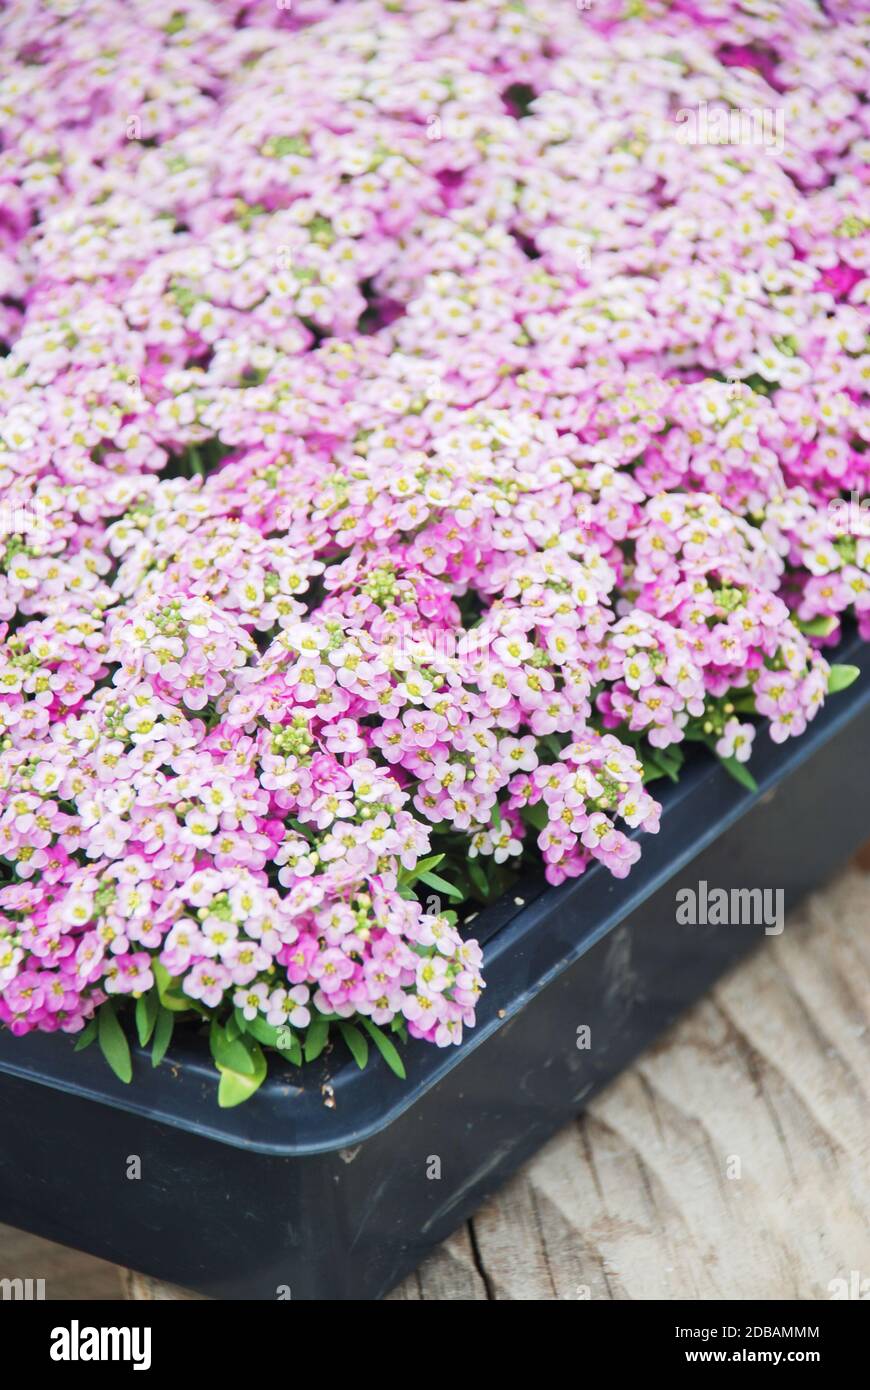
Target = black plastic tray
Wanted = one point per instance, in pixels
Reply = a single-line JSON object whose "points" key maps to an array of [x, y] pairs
{"points": [[324, 1183]]}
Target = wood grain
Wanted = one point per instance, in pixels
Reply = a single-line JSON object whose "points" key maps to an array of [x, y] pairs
{"points": [[771, 1069], [733, 1161], [67, 1273], [144, 1289]]}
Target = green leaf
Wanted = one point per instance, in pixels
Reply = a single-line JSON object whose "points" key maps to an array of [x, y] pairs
{"points": [[651, 770], [86, 1036], [113, 1042], [537, 816], [424, 865], [818, 627], [168, 990], [162, 1035], [146, 1016], [356, 1043], [496, 816], [292, 1050], [385, 1047], [237, 1024], [841, 678], [264, 1032], [745, 705], [235, 1086], [440, 885], [316, 1038], [478, 877], [661, 762], [236, 1054], [670, 757], [740, 772]]}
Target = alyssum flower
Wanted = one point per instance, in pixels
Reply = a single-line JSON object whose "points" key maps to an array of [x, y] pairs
{"points": [[407, 444]]}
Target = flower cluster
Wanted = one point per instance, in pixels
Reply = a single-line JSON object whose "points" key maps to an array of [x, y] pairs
{"points": [[407, 442]]}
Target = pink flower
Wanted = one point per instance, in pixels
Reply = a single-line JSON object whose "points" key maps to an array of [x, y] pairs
{"points": [[736, 740], [207, 982], [412, 512]]}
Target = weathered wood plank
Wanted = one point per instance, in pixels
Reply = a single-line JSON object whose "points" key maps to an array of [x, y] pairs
{"points": [[734, 1160], [449, 1274], [67, 1273], [144, 1289]]}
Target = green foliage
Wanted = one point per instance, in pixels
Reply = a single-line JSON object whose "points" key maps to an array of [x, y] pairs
{"points": [[169, 990], [842, 677], [147, 1009], [740, 772], [818, 627], [241, 1064], [441, 885], [113, 1041], [662, 762], [87, 1036], [536, 816], [385, 1047], [163, 1030], [357, 1045], [316, 1038]]}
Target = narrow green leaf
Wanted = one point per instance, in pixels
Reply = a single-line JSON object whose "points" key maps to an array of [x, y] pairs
{"points": [[670, 757], [356, 1043], [669, 760], [113, 1042], [424, 865], [841, 678], [478, 877], [292, 1048], [146, 1016], [441, 885], [316, 1038], [385, 1047], [163, 1031], [740, 772], [86, 1036]]}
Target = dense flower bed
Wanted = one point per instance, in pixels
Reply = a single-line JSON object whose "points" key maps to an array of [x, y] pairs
{"points": [[407, 442]]}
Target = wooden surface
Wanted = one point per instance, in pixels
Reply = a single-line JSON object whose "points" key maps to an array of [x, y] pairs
{"points": [[767, 1077]]}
